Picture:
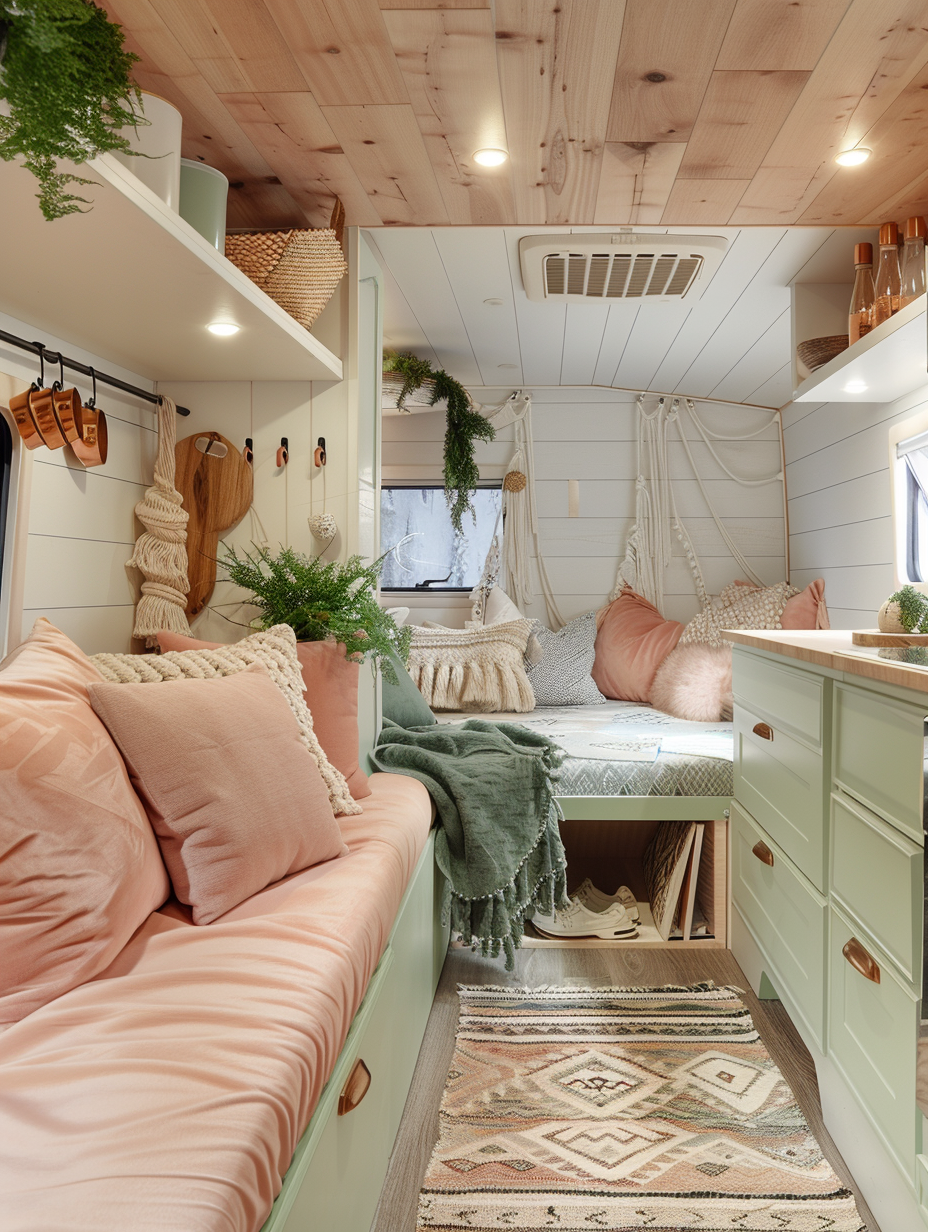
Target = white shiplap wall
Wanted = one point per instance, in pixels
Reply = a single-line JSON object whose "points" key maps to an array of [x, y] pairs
{"points": [[840, 506], [80, 525], [588, 434]]}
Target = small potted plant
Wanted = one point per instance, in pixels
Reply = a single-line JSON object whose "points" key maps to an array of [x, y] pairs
{"points": [[321, 602], [66, 80], [463, 427]]}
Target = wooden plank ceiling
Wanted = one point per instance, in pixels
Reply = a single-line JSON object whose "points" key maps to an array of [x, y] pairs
{"points": [[700, 112]]}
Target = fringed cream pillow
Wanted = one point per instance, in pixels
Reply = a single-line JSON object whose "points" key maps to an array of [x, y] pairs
{"points": [[473, 669], [275, 650]]}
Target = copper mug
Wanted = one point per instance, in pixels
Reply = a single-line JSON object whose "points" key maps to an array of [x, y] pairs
{"points": [[91, 446], [20, 409], [66, 404], [42, 407]]}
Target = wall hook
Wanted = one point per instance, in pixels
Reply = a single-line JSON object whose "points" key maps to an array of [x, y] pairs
{"points": [[283, 453], [248, 453], [319, 452]]}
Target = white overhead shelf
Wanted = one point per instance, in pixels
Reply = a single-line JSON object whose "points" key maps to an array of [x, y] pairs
{"points": [[132, 282], [885, 364]]}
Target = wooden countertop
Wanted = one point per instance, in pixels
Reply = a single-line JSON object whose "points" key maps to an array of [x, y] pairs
{"points": [[831, 648]]}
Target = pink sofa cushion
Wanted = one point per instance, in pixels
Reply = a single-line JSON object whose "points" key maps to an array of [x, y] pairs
{"points": [[632, 641], [807, 610], [234, 799], [80, 868], [331, 681]]}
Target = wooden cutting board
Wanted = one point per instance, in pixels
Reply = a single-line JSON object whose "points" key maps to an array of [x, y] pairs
{"points": [[217, 494], [873, 637]]}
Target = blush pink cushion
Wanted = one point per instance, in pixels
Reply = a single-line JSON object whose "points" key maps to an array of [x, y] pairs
{"points": [[232, 794], [807, 610], [632, 640], [332, 697], [80, 869]]}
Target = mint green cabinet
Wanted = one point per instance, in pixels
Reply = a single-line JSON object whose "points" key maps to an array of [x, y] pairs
{"points": [[786, 916]]}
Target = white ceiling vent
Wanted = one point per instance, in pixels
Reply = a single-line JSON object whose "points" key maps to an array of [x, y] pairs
{"points": [[651, 268]]}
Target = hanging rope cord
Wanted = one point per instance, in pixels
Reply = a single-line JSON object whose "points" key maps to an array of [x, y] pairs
{"points": [[647, 551], [519, 514]]}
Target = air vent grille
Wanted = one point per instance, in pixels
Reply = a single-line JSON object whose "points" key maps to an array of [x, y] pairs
{"points": [[620, 275]]}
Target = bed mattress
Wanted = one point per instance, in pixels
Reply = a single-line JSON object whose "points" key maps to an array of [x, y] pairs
{"points": [[630, 749]]}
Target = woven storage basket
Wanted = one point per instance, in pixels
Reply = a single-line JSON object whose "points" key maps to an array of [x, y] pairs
{"points": [[299, 270], [819, 351]]}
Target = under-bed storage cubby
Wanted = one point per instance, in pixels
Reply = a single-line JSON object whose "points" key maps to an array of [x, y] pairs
{"points": [[612, 853]]}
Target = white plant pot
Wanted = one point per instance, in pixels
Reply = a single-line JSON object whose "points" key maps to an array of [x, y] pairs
{"points": [[160, 142], [204, 193]]}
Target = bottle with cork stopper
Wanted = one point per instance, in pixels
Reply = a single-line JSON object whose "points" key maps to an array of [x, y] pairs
{"points": [[913, 261], [887, 275], [860, 315]]}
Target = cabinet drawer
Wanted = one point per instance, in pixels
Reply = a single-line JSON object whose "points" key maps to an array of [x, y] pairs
{"points": [[879, 753], [789, 699], [877, 877], [872, 1035], [780, 781], [786, 917]]}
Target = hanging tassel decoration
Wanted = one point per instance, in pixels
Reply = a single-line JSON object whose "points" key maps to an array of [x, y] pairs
{"points": [[161, 550]]}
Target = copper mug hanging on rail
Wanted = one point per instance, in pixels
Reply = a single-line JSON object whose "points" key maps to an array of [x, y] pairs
{"points": [[91, 445], [33, 414], [66, 403]]}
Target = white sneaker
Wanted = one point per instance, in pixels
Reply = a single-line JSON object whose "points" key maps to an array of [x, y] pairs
{"points": [[595, 900], [613, 924]]}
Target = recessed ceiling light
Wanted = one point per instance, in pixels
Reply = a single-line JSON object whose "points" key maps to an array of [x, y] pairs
{"points": [[853, 158], [494, 303], [507, 365], [855, 387], [225, 329], [490, 158]]}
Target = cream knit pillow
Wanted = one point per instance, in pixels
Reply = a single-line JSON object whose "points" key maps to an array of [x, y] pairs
{"points": [[473, 669], [274, 650]]}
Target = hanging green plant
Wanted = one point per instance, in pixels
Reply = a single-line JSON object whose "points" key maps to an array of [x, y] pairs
{"points": [[463, 426], [67, 81]]}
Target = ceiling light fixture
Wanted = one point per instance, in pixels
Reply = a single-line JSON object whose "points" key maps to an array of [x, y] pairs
{"points": [[855, 387], [490, 157], [853, 158], [224, 329]]}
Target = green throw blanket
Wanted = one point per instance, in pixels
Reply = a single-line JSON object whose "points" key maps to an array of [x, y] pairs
{"points": [[499, 845]]}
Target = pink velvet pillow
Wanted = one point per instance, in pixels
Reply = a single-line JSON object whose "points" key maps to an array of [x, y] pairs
{"points": [[807, 610], [230, 791], [632, 641], [80, 868], [331, 682]]}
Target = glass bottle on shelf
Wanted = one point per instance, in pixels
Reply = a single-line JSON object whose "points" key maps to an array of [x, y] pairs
{"points": [[913, 261], [860, 316], [887, 275]]}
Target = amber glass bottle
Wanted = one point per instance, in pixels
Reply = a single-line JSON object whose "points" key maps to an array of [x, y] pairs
{"points": [[887, 275], [913, 261], [860, 316]]}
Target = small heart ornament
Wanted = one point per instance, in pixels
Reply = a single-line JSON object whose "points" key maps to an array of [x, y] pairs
{"points": [[323, 527]]}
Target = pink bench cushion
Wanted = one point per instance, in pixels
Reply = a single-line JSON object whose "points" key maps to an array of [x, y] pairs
{"points": [[172, 1090]]}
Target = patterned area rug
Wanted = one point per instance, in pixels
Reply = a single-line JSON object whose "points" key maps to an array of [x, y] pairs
{"points": [[655, 1108]]}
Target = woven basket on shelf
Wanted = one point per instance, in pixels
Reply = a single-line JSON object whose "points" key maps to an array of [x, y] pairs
{"points": [[299, 270], [819, 351]]}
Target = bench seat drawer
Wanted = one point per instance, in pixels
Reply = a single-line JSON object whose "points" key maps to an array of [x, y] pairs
{"points": [[786, 916], [877, 879], [873, 1037]]}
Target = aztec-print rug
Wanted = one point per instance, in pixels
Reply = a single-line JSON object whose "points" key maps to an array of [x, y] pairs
{"points": [[651, 1108]]}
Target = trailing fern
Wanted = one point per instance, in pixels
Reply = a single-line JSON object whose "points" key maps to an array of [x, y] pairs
{"points": [[913, 609], [321, 601], [66, 77], [463, 426]]}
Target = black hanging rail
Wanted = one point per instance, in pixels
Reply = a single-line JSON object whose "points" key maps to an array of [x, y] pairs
{"points": [[40, 350]]}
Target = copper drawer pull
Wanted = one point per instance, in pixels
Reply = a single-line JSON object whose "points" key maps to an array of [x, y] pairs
{"points": [[764, 730], [763, 853], [354, 1090], [861, 961]]}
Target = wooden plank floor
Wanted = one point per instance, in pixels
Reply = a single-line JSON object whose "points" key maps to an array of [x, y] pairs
{"points": [[419, 1128]]}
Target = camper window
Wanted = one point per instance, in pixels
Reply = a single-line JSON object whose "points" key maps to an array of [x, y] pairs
{"points": [[427, 553], [6, 459], [912, 471]]}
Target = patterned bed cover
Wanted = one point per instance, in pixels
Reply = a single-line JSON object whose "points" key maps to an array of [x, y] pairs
{"points": [[630, 749]]}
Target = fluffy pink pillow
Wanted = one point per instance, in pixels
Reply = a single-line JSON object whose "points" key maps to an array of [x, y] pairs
{"points": [[331, 681], [632, 640], [80, 868], [694, 682], [234, 798]]}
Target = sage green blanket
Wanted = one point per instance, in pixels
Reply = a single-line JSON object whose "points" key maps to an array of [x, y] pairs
{"points": [[498, 843]]}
